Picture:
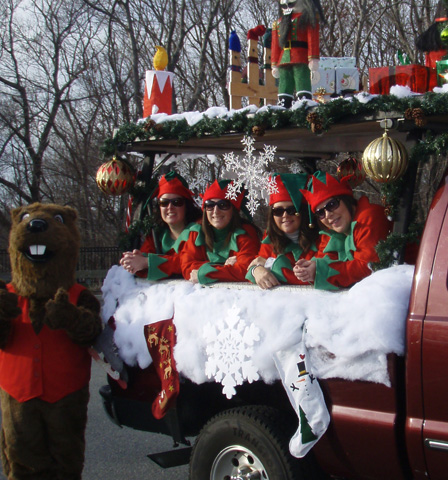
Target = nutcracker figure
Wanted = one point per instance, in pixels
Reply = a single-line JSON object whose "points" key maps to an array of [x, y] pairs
{"points": [[295, 48]]}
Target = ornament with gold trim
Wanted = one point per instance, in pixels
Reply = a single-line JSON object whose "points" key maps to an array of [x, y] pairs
{"points": [[115, 177], [385, 159], [352, 168]]}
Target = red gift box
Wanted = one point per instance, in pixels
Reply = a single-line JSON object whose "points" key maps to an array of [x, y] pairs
{"points": [[418, 78]]}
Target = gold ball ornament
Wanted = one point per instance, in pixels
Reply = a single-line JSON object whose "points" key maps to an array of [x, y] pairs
{"points": [[115, 177], [385, 159], [351, 167]]}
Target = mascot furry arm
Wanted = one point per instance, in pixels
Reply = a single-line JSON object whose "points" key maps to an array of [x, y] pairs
{"points": [[79, 321], [9, 309], [43, 246]]}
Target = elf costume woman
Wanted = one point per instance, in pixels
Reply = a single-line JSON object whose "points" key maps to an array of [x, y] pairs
{"points": [[175, 213], [288, 235], [351, 231], [221, 248]]}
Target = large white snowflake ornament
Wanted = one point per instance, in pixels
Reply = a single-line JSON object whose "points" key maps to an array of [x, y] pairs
{"points": [[229, 351], [251, 172]]}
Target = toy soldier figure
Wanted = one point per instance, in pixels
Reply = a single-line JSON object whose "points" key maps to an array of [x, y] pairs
{"points": [[295, 48]]}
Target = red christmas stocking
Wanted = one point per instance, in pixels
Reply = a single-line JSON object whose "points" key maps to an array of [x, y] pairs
{"points": [[160, 339]]}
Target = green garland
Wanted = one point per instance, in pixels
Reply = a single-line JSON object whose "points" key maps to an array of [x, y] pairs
{"points": [[137, 230], [240, 122], [388, 250]]}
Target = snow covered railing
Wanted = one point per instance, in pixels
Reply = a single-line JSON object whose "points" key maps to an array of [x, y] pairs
{"points": [[348, 334]]}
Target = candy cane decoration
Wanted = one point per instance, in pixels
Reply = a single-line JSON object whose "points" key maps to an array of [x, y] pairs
{"points": [[128, 215]]}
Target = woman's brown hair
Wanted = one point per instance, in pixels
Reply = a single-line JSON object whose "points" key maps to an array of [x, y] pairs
{"points": [[307, 235], [192, 213], [350, 202], [235, 222]]}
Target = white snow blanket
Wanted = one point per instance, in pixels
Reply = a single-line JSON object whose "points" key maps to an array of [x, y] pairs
{"points": [[230, 332]]}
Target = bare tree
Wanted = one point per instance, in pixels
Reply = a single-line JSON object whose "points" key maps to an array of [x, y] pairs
{"points": [[72, 72], [39, 69]]}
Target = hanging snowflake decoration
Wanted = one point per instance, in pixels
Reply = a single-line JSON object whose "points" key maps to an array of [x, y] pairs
{"points": [[229, 351], [251, 172], [272, 187], [198, 171], [296, 168]]}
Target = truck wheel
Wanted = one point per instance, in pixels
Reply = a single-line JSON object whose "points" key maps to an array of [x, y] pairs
{"points": [[245, 442]]}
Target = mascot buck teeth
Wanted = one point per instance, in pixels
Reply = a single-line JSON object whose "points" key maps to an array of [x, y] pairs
{"points": [[47, 323]]}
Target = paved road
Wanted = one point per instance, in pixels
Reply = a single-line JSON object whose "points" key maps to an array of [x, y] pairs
{"points": [[114, 453]]}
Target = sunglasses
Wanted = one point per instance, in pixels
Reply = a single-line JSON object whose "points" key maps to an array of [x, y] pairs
{"points": [[331, 206], [279, 211], [175, 202], [221, 204]]}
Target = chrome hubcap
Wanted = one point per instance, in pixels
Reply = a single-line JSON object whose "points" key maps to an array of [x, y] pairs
{"points": [[237, 463]]}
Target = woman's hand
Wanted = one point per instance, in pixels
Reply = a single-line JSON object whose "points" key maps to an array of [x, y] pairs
{"points": [[134, 261], [264, 278], [194, 276], [257, 261], [305, 270], [231, 260]]}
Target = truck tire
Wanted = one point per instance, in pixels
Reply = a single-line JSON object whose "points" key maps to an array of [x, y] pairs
{"points": [[244, 442]]}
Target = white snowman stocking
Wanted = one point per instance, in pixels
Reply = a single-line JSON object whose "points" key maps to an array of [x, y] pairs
{"points": [[305, 396]]}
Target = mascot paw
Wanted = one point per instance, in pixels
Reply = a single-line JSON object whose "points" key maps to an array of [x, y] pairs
{"points": [[9, 308], [59, 311]]}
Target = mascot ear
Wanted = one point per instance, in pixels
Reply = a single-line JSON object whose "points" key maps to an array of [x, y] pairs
{"points": [[16, 213], [71, 213]]}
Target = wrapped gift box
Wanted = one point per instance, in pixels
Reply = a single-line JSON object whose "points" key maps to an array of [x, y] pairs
{"points": [[337, 62], [324, 78], [418, 78], [335, 80], [347, 80], [335, 75]]}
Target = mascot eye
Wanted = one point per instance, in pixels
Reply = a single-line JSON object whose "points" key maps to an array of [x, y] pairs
{"points": [[24, 216], [59, 218]]}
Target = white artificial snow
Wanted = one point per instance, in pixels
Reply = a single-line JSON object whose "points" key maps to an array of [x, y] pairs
{"points": [[348, 334], [402, 91], [304, 102], [442, 89], [213, 112], [364, 97]]}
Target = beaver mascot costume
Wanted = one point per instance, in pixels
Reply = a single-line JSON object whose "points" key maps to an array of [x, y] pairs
{"points": [[47, 323]]}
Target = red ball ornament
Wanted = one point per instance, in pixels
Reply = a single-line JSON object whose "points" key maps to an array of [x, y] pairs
{"points": [[115, 177], [351, 167]]}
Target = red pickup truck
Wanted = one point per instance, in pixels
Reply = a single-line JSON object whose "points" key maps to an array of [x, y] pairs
{"points": [[375, 432]]}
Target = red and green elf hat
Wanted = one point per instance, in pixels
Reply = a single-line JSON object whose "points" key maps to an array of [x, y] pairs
{"points": [[219, 190], [174, 183], [289, 187], [324, 186]]}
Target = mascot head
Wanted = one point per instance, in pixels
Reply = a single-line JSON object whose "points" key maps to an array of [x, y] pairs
{"points": [[43, 248]]}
